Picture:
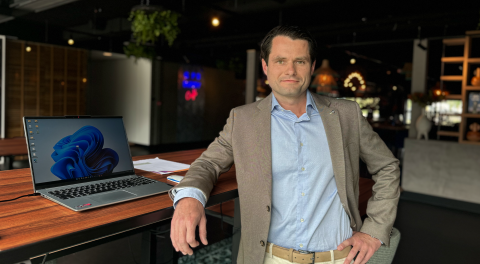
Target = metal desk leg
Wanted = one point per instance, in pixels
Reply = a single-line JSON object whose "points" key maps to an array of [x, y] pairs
{"points": [[157, 246], [9, 162], [237, 227]]}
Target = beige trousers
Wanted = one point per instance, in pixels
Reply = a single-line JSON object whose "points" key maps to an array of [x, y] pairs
{"points": [[270, 259]]}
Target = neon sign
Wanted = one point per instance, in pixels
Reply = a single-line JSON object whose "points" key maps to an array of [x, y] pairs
{"points": [[349, 81], [191, 95], [191, 80]]}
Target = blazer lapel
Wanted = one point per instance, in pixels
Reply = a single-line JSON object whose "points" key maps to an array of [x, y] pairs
{"points": [[263, 148], [333, 130]]}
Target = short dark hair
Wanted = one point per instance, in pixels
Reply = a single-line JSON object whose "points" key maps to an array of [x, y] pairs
{"points": [[292, 32]]}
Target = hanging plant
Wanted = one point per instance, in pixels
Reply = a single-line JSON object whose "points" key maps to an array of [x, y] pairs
{"points": [[148, 25], [139, 51]]}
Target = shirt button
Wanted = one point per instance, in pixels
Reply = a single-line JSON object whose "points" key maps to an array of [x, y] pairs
{"points": [[268, 208], [262, 243], [303, 169], [301, 220], [303, 194], [301, 144], [301, 245]]}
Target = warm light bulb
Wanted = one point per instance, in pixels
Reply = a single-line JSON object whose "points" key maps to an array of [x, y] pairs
{"points": [[354, 89], [84, 80], [394, 88], [363, 87], [352, 61], [71, 42], [107, 54], [28, 48], [215, 22], [350, 84]]}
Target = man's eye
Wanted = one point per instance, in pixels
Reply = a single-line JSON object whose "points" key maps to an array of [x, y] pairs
{"points": [[280, 62], [301, 62]]}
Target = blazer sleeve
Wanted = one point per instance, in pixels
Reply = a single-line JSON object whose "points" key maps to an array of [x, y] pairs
{"points": [[384, 167], [217, 159]]}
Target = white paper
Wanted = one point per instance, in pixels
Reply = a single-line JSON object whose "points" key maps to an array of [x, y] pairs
{"points": [[160, 166]]}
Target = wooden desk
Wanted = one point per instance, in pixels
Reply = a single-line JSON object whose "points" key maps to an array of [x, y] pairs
{"points": [[32, 226], [10, 147]]}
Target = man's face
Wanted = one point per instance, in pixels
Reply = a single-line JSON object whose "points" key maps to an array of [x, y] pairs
{"points": [[289, 68]]}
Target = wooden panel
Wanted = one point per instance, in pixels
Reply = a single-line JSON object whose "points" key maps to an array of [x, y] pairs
{"points": [[45, 78], [71, 82], [58, 80], [30, 81], [13, 90], [45, 82]]}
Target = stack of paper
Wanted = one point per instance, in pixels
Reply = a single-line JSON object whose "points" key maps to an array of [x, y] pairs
{"points": [[160, 166]]}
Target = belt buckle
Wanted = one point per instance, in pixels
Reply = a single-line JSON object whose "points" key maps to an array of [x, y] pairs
{"points": [[308, 252]]}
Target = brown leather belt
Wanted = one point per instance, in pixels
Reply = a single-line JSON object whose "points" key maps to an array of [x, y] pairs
{"points": [[306, 258]]}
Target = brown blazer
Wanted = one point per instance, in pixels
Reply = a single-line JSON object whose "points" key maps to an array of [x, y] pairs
{"points": [[245, 140]]}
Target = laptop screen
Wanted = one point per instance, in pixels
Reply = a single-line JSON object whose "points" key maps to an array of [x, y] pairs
{"points": [[76, 149]]}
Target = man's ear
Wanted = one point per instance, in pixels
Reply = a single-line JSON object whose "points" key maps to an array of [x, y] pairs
{"points": [[313, 67], [264, 67]]}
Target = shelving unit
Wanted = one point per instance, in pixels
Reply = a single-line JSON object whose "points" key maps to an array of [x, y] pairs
{"points": [[466, 60]]}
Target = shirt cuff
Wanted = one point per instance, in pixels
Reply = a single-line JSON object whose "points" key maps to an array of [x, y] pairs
{"points": [[189, 193]]}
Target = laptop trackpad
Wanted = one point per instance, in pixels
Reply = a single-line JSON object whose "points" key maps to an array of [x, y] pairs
{"points": [[112, 197]]}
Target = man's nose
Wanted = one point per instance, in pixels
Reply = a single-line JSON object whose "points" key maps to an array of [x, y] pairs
{"points": [[291, 70]]}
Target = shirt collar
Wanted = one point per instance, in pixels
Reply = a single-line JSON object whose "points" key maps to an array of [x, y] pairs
{"points": [[310, 102]]}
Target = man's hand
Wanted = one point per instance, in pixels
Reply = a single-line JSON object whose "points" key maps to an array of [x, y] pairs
{"points": [[188, 214], [362, 243]]}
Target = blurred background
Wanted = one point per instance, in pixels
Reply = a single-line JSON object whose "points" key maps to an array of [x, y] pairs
{"points": [[174, 69]]}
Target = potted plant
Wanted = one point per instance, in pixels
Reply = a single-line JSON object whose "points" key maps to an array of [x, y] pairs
{"points": [[148, 24]]}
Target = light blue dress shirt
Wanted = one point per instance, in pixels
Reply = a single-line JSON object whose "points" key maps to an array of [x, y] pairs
{"points": [[306, 210]]}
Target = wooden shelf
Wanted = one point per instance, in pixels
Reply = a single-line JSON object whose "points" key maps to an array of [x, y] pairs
{"points": [[473, 32], [470, 142], [473, 60], [448, 133], [454, 41], [471, 115], [453, 59], [451, 78], [472, 88], [454, 97]]}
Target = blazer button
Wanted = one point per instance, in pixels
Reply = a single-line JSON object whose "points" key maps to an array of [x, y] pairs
{"points": [[268, 208], [262, 243]]}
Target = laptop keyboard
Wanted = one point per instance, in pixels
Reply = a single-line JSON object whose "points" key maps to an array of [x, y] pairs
{"points": [[100, 187]]}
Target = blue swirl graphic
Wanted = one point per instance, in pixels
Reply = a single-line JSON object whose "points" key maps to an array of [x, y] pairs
{"points": [[82, 154]]}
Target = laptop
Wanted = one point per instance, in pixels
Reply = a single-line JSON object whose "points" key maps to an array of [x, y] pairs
{"points": [[84, 162]]}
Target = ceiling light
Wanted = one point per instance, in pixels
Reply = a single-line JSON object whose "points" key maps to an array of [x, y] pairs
{"points": [[394, 88], [71, 41], [107, 54], [38, 5], [352, 61], [28, 48], [215, 22]]}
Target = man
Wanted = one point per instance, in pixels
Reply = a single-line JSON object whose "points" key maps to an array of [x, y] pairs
{"points": [[297, 164]]}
